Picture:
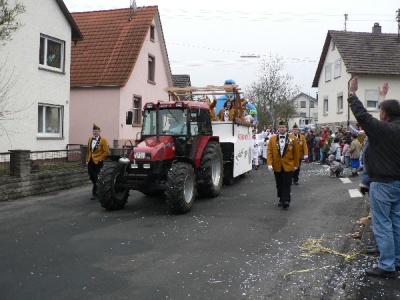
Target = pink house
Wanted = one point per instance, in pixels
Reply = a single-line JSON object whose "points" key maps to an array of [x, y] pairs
{"points": [[121, 64]]}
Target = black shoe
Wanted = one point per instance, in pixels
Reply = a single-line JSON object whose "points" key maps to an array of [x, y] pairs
{"points": [[373, 250], [279, 204], [378, 272], [285, 204], [364, 190], [296, 183], [94, 197]]}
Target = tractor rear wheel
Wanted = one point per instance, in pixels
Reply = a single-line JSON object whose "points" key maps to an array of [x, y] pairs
{"points": [[181, 187], [112, 195], [210, 171]]}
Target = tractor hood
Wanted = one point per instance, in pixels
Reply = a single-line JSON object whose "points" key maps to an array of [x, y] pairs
{"points": [[150, 149]]}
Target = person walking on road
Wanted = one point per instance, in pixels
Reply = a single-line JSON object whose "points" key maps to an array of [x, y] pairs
{"points": [[382, 160], [96, 153], [283, 159]]}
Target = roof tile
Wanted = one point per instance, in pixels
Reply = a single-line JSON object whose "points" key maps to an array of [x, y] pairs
{"points": [[112, 43]]}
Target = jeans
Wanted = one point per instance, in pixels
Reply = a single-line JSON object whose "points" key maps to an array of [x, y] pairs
{"points": [[310, 154], [317, 154], [324, 157], [347, 161], [385, 214]]}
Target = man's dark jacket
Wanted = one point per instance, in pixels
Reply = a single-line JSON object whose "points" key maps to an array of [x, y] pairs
{"points": [[383, 155]]}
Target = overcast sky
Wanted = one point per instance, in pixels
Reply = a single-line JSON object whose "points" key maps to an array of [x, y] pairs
{"points": [[206, 39]]}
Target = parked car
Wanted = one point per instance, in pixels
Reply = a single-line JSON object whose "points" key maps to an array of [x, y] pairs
{"points": [[309, 126]]}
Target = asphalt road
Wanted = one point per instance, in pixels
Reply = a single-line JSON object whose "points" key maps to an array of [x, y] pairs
{"points": [[239, 245]]}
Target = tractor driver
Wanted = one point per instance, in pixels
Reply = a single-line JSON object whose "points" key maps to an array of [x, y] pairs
{"points": [[177, 122]]}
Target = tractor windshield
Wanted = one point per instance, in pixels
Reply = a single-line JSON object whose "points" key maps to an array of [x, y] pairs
{"points": [[171, 122]]}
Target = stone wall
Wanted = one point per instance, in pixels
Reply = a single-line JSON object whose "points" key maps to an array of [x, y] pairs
{"points": [[14, 187], [22, 183]]}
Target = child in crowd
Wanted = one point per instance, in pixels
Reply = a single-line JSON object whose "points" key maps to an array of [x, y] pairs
{"points": [[335, 167], [345, 154]]}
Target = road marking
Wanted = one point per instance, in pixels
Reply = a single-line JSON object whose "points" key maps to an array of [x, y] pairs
{"points": [[345, 180], [354, 193]]}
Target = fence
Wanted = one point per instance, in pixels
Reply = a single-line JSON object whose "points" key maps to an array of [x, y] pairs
{"points": [[24, 173], [5, 163]]}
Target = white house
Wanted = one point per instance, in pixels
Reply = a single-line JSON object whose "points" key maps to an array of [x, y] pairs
{"points": [[307, 109], [35, 78], [374, 57]]}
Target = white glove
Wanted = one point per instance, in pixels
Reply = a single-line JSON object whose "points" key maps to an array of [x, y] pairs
{"points": [[270, 168], [305, 157], [295, 168]]}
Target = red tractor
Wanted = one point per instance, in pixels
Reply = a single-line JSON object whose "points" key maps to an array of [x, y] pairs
{"points": [[176, 154]]}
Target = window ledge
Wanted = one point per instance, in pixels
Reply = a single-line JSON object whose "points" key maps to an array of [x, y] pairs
{"points": [[339, 112], [151, 81], [325, 114], [51, 70]]}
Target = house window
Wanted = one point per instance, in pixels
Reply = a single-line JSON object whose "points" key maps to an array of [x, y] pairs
{"points": [[372, 99], [152, 67], [333, 46], [338, 69], [340, 102], [302, 104], [50, 120], [311, 104], [325, 105], [137, 110], [328, 72], [303, 115], [152, 33], [51, 53]]}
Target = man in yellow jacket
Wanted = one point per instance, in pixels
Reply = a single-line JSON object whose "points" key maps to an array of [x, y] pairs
{"points": [[96, 153], [303, 151], [283, 159]]}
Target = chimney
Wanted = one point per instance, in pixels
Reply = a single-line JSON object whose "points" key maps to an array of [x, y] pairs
{"points": [[377, 29]]}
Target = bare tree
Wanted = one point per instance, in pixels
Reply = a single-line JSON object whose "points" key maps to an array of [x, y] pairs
{"points": [[8, 19], [273, 92]]}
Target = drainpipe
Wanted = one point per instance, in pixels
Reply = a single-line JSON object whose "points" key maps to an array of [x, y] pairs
{"points": [[348, 95]]}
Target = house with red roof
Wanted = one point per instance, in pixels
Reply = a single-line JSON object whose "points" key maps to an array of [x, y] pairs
{"points": [[120, 65], [35, 77]]}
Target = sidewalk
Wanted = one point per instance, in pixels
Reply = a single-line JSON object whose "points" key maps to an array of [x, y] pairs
{"points": [[364, 287]]}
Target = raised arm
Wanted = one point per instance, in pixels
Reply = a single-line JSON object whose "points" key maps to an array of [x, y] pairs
{"points": [[383, 91]]}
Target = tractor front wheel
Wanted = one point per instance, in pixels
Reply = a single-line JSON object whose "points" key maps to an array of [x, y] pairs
{"points": [[181, 188], [111, 193]]}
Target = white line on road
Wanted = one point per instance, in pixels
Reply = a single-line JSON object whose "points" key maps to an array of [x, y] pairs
{"points": [[354, 193], [345, 180]]}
